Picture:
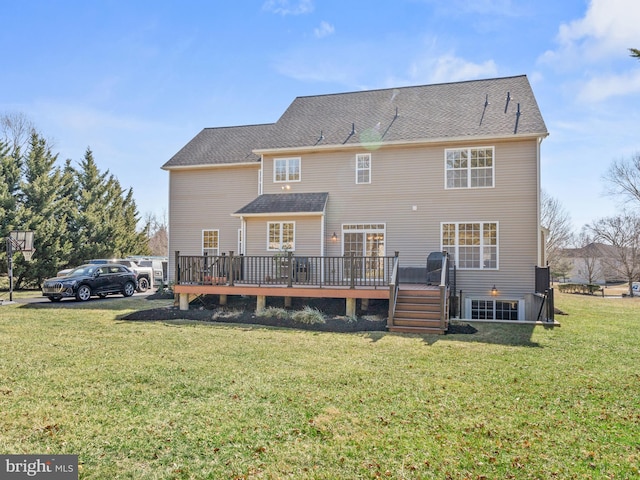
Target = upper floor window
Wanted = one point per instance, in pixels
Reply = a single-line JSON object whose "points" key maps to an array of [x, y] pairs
{"points": [[474, 245], [363, 168], [469, 167], [210, 242], [286, 169], [281, 236]]}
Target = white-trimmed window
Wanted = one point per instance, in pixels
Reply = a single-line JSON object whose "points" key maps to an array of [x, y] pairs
{"points": [[286, 169], [281, 236], [469, 167], [363, 168], [473, 244], [210, 242], [494, 309]]}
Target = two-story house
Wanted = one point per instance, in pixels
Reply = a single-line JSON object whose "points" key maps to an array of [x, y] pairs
{"points": [[450, 167]]}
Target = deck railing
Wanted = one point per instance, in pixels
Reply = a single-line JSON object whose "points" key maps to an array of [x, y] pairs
{"points": [[284, 269]]}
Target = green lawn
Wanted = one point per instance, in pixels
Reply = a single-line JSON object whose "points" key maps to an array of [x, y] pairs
{"points": [[146, 400]]}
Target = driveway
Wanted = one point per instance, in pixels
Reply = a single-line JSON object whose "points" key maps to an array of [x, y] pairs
{"points": [[41, 299]]}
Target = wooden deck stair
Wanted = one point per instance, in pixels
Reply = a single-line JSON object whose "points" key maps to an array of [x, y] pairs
{"points": [[418, 311]]}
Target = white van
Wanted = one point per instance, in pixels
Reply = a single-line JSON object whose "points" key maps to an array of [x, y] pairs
{"points": [[159, 267]]}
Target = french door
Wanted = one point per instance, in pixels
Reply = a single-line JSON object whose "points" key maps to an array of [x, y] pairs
{"points": [[366, 243]]}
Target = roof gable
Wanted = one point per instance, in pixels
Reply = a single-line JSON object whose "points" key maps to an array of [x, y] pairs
{"points": [[225, 145]]}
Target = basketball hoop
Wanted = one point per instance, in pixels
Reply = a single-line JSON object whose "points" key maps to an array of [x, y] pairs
{"points": [[22, 240], [18, 241]]}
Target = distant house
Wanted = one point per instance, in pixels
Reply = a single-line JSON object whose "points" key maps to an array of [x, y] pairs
{"points": [[450, 167], [595, 261]]}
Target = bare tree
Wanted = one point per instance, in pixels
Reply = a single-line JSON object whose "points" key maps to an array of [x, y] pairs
{"points": [[16, 130], [557, 221], [157, 234], [622, 232], [623, 178]]}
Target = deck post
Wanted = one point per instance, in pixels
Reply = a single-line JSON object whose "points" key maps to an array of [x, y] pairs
{"points": [[352, 283], [176, 273], [184, 301], [230, 276], [364, 304], [351, 307], [290, 269], [287, 302], [223, 299], [261, 303]]}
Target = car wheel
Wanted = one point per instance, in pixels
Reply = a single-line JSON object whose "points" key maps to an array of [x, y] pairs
{"points": [[54, 299], [84, 293], [143, 285], [129, 289]]}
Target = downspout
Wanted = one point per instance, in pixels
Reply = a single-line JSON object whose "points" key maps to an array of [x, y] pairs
{"points": [[170, 275], [243, 227], [261, 175], [540, 253], [322, 230]]}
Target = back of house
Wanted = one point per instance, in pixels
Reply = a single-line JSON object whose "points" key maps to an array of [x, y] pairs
{"points": [[449, 167]]}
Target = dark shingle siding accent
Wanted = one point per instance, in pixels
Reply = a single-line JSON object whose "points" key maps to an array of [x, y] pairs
{"points": [[214, 146], [286, 203]]}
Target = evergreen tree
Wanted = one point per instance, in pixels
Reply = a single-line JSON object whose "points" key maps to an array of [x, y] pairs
{"points": [[89, 239], [107, 218], [41, 209], [10, 174]]}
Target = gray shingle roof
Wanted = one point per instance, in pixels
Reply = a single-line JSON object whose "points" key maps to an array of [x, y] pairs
{"points": [[442, 111], [214, 146], [475, 109], [286, 203]]}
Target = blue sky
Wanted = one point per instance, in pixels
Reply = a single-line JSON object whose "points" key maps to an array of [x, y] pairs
{"points": [[136, 80]]}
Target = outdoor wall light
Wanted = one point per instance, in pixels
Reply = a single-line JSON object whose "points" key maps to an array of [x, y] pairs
{"points": [[334, 237], [494, 291]]}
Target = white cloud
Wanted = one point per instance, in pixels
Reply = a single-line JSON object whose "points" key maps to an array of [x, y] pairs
{"points": [[287, 7], [449, 68], [325, 29], [601, 88], [608, 28]]}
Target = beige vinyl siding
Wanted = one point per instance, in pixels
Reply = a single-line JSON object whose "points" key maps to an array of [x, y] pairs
{"points": [[406, 177], [202, 199], [307, 234]]}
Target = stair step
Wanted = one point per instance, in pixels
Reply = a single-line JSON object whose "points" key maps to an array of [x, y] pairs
{"points": [[417, 330], [419, 293], [418, 300], [416, 315], [414, 322], [418, 307]]}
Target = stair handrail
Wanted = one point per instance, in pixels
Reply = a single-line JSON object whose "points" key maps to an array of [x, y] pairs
{"points": [[394, 284]]}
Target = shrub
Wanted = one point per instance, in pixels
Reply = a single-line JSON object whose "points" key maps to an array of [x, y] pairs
{"points": [[308, 316], [279, 313], [584, 288], [223, 313]]}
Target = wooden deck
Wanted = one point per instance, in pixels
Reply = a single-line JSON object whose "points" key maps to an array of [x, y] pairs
{"points": [[284, 291]]}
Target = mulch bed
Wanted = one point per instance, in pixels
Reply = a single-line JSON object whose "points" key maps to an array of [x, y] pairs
{"points": [[241, 310]]}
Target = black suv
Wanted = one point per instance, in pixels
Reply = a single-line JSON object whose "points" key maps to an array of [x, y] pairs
{"points": [[88, 280]]}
